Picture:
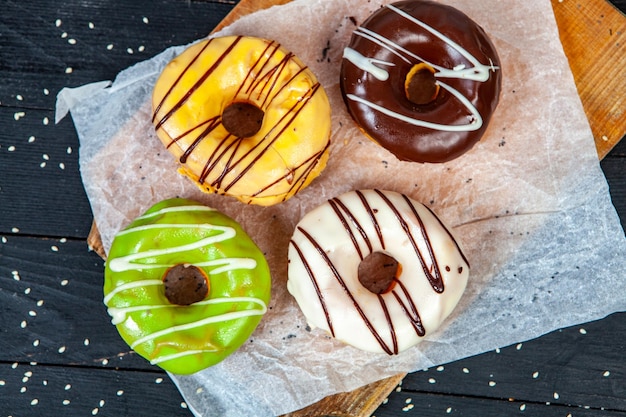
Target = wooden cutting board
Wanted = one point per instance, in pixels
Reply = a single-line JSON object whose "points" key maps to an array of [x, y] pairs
{"points": [[593, 34]]}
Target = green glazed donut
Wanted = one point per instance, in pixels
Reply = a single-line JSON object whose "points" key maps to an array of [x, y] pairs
{"points": [[185, 285]]}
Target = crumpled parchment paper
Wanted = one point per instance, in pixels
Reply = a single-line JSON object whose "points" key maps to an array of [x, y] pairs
{"points": [[529, 203]]}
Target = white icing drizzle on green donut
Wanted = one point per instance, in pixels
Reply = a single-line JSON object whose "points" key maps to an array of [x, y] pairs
{"points": [[133, 262], [478, 72]]}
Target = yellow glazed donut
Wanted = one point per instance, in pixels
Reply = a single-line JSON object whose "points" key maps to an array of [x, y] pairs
{"points": [[376, 270], [244, 117]]}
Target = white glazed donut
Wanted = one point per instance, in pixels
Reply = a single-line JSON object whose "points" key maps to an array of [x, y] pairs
{"points": [[329, 247]]}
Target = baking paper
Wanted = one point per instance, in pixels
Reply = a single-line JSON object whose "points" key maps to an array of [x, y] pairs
{"points": [[529, 204]]}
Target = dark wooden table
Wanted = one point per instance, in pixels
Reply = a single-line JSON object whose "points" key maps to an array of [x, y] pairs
{"points": [[59, 354]]}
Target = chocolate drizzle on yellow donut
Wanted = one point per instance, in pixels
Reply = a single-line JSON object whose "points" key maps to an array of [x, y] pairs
{"points": [[423, 249], [229, 160]]}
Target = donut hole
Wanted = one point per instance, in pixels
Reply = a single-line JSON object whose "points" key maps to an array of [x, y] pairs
{"points": [[378, 272], [242, 119], [185, 284], [420, 85]]}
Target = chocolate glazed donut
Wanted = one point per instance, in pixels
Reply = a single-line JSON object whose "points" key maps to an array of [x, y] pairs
{"points": [[421, 79]]}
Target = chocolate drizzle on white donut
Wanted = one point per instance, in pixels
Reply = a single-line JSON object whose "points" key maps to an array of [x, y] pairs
{"points": [[355, 226], [229, 162]]}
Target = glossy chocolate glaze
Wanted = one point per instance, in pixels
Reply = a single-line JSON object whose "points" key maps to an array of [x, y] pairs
{"points": [[409, 43]]}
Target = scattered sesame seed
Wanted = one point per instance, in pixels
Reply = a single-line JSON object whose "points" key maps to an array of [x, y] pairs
{"points": [[408, 407], [42, 165], [11, 148], [31, 139], [45, 120], [68, 70], [32, 313], [465, 371], [19, 97], [69, 150], [64, 35], [522, 407], [54, 248], [66, 402], [492, 383], [64, 282], [39, 303], [36, 342], [63, 240], [94, 411], [519, 346], [158, 380], [105, 361], [145, 20], [497, 350], [606, 373], [61, 165], [23, 324], [71, 41], [141, 48], [582, 331], [34, 402], [15, 229], [14, 365], [449, 410], [91, 25], [58, 22], [440, 368], [61, 349], [18, 115], [120, 392], [199, 390], [2, 383], [27, 291], [68, 387], [535, 374], [183, 405], [4, 239], [110, 46], [569, 414], [129, 50], [556, 395], [22, 390], [605, 138], [101, 403], [431, 380], [46, 91], [86, 342], [25, 379], [408, 401]]}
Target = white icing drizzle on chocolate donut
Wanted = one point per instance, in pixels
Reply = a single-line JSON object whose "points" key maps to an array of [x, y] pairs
{"points": [[331, 241], [478, 72]]}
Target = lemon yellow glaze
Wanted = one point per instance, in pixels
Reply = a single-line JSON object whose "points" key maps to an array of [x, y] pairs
{"points": [[283, 157], [184, 339]]}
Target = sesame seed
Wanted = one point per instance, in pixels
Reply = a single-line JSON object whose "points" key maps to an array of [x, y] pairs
{"points": [[465, 371], [129, 50], [45, 120], [66, 402], [199, 390], [64, 282], [497, 350], [431, 380], [46, 91], [11, 148], [71, 41], [120, 392], [61, 165], [15, 229], [34, 402], [23, 390], [440, 368], [32, 313], [61, 349], [535, 374], [57, 23], [492, 383], [91, 25], [42, 165], [605, 138], [69, 150], [408, 401], [4, 239], [86, 342], [36, 342], [582, 331], [183, 405], [101, 403], [31, 139], [2, 383], [145, 20], [141, 48], [63, 240], [25, 379], [18, 115], [39, 303], [110, 46], [449, 410], [522, 407], [606, 373], [105, 361], [54, 248], [158, 380], [14, 365], [64, 35], [68, 387], [556, 395], [19, 97], [94, 411], [27, 291], [68, 70], [23, 324], [408, 407], [519, 346]]}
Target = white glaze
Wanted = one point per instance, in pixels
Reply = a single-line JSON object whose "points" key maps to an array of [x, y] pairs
{"points": [[323, 276], [478, 72]]}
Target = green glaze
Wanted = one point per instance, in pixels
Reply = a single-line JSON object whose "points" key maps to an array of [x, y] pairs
{"points": [[185, 339]]}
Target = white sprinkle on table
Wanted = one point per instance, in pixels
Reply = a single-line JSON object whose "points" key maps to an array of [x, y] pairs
{"points": [[39, 303], [22, 390], [32, 313], [42, 165], [61, 165], [519, 346], [183, 405], [129, 50], [2, 383], [440, 368], [69, 150], [64, 35], [105, 361]]}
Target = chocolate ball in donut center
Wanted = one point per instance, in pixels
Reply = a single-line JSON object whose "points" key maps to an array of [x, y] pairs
{"points": [[185, 284], [420, 85], [378, 271], [242, 119]]}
